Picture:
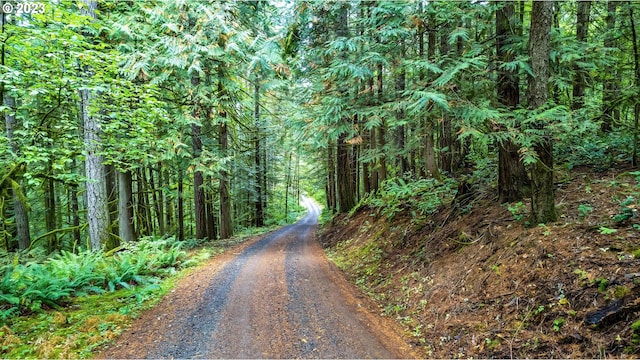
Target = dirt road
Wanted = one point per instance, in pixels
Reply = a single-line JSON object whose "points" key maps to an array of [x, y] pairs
{"points": [[276, 297]]}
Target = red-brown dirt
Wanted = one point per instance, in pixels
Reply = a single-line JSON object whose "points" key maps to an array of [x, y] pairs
{"points": [[480, 284]]}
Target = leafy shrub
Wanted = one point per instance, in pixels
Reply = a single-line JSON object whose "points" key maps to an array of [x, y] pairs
{"points": [[627, 210]]}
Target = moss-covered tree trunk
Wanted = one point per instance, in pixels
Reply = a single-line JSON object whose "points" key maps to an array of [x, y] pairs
{"points": [[542, 192]]}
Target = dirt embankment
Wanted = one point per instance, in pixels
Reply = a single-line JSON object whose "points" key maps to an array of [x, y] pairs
{"points": [[481, 284]]}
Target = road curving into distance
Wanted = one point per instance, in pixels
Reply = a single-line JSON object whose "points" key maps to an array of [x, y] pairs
{"points": [[277, 297]]}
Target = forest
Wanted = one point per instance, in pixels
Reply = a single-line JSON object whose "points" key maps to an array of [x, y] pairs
{"points": [[144, 125]]}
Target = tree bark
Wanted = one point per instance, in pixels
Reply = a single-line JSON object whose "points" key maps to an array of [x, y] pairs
{"points": [[636, 108], [20, 209], [125, 206], [582, 29], [158, 200], [346, 199], [512, 175], [381, 131], [610, 81], [112, 207], [212, 231], [226, 229], [331, 179], [542, 193], [180, 218], [258, 202], [23, 233], [198, 180], [97, 212], [50, 209]]}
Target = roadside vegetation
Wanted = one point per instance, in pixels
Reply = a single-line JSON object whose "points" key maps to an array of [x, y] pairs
{"points": [[69, 304]]}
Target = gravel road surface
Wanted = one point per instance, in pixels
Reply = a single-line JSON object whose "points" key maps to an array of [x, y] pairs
{"points": [[275, 297]]}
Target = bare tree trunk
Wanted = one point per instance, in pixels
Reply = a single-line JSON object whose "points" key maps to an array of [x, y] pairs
{"points": [[198, 180], [429, 152], [180, 218], [258, 202], [374, 171], [582, 29], [636, 108], [125, 206], [97, 212], [382, 168], [286, 187], [226, 229], [542, 193], [331, 179], [610, 81], [50, 209], [212, 231], [112, 206], [158, 198]]}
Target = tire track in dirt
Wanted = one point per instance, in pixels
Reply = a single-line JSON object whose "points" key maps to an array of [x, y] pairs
{"points": [[278, 298]]}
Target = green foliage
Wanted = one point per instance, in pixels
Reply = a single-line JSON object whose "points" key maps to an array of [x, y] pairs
{"points": [[517, 210], [627, 211], [607, 231], [49, 284], [422, 196], [558, 324], [584, 210]]}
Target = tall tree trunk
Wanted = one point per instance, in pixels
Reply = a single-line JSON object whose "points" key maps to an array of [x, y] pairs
{"points": [[125, 206], [198, 189], [610, 81], [50, 209], [382, 129], [75, 206], [226, 229], [346, 199], [258, 202], [112, 206], [198, 180], [429, 145], [445, 138], [542, 193], [287, 185], [20, 209], [180, 218], [331, 179], [512, 175], [212, 231], [582, 29], [374, 170], [141, 213], [400, 133], [158, 200], [97, 211], [636, 107]]}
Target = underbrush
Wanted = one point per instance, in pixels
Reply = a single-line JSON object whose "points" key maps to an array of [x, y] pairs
{"points": [[28, 286], [417, 197], [67, 304]]}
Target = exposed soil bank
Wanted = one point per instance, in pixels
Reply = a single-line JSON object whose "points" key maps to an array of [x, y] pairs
{"points": [[476, 282]]}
